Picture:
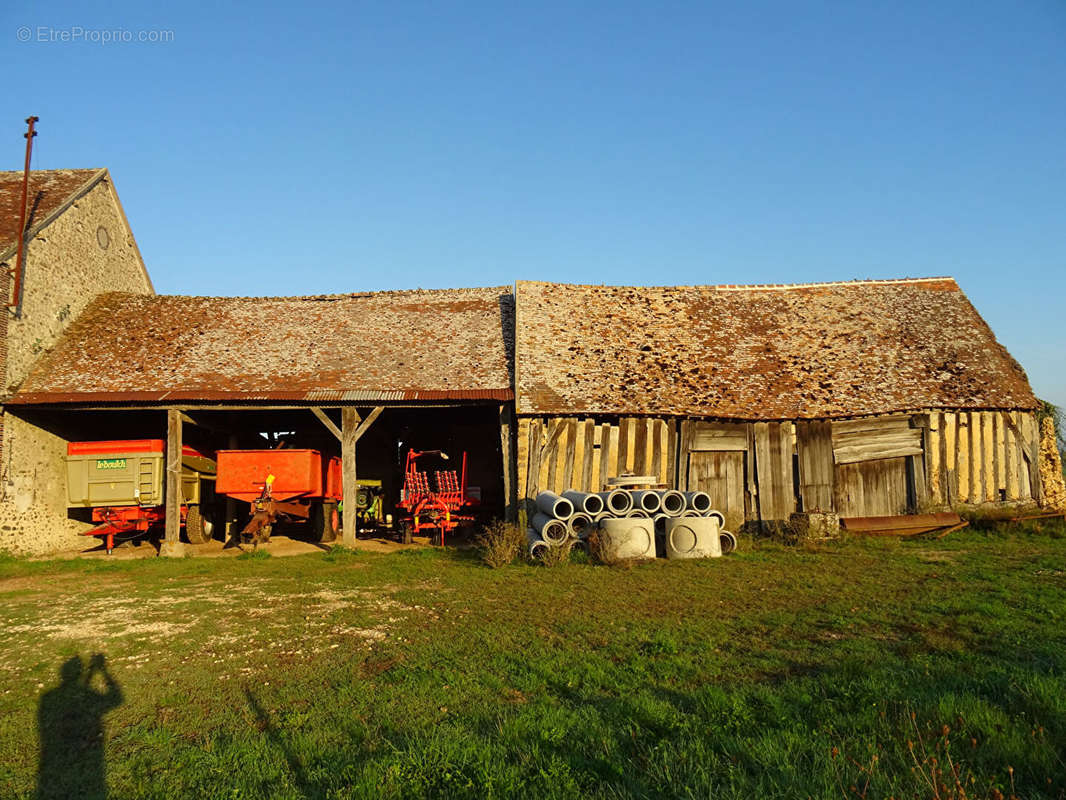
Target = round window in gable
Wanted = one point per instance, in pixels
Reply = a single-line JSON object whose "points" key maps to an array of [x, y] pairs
{"points": [[102, 238]]}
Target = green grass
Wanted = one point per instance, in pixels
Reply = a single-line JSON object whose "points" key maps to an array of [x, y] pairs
{"points": [[854, 669]]}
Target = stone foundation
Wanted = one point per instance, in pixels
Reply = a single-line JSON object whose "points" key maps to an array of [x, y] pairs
{"points": [[814, 526]]}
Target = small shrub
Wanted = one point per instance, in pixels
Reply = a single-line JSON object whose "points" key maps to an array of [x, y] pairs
{"points": [[557, 555], [500, 543], [602, 550]]}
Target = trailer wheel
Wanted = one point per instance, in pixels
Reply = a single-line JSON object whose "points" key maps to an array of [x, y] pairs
{"points": [[323, 522], [198, 529]]}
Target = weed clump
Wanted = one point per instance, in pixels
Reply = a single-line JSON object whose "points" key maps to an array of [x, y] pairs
{"points": [[557, 555], [603, 550], [500, 543]]}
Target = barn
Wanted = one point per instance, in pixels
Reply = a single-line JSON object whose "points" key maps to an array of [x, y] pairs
{"points": [[859, 398], [856, 398], [371, 373]]}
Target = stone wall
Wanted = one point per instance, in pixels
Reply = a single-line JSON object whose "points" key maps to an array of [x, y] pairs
{"points": [[1052, 485], [33, 492], [86, 251], [68, 263]]}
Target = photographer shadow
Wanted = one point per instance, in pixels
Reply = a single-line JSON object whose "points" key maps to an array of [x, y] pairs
{"points": [[71, 729]]}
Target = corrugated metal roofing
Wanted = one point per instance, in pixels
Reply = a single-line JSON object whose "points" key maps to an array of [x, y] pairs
{"points": [[48, 190], [376, 347], [759, 352]]}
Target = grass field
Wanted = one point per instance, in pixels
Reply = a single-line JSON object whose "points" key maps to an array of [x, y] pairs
{"points": [[868, 668]]}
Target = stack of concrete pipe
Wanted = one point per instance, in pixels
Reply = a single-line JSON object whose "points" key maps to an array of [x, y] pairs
{"points": [[634, 520]]}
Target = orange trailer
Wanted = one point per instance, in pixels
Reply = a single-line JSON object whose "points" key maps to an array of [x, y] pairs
{"points": [[280, 484]]}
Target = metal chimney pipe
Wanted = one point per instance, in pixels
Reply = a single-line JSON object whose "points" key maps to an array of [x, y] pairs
{"points": [[16, 296]]}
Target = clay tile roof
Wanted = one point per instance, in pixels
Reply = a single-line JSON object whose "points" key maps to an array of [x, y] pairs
{"points": [[48, 190], [759, 352], [381, 346]]}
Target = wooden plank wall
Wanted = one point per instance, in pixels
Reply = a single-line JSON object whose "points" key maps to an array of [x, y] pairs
{"points": [[981, 456], [560, 453], [876, 488], [721, 475], [775, 488], [954, 457], [814, 444]]}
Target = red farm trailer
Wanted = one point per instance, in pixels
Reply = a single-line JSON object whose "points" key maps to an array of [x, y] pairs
{"points": [[281, 484], [440, 509], [122, 481]]}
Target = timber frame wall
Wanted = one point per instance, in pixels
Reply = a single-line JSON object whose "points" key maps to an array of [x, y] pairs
{"points": [[765, 471]]}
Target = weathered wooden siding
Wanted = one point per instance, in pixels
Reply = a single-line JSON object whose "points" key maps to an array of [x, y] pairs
{"points": [[814, 445], [721, 475], [981, 456], [560, 453], [767, 470], [871, 488]]}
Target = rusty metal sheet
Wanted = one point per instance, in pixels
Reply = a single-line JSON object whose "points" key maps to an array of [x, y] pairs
{"points": [[805, 351], [414, 346], [902, 525]]}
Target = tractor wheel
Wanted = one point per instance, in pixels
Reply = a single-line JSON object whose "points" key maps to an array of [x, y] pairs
{"points": [[323, 525], [198, 528]]}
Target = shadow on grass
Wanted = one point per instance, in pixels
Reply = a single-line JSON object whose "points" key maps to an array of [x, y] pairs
{"points": [[72, 732]]}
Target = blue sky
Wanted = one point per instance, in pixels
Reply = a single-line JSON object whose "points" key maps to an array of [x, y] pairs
{"points": [[331, 147]]}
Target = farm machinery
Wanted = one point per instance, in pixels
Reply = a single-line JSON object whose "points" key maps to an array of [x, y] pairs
{"points": [[293, 485], [441, 509], [282, 485], [122, 482]]}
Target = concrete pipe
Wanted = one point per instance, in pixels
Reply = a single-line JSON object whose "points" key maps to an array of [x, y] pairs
{"points": [[580, 546], [617, 502], [580, 525], [660, 523], [728, 541], [672, 503], [630, 537], [639, 513], [555, 506], [700, 502], [692, 537], [538, 548], [553, 531], [718, 514], [646, 500], [585, 502]]}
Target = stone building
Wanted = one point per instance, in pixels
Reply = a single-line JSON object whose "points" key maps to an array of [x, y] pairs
{"points": [[79, 245]]}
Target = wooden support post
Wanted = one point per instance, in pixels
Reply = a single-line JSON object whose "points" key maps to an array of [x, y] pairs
{"points": [[171, 545], [366, 423], [231, 503], [325, 420], [509, 464], [349, 427]]}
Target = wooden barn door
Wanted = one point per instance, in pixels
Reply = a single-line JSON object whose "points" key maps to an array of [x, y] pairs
{"points": [[721, 475], [871, 488]]}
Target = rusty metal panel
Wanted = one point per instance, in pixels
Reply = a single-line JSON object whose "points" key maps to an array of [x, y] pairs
{"points": [[810, 351]]}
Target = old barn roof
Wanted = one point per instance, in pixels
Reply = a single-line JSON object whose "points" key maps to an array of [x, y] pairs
{"points": [[380, 346], [50, 191], [759, 352]]}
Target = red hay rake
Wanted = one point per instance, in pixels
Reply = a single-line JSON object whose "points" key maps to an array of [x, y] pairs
{"points": [[441, 510]]}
